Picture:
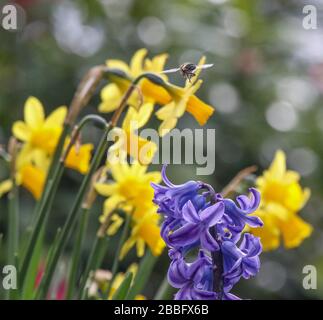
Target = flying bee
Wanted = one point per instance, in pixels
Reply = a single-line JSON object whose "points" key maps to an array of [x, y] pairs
{"points": [[188, 69]]}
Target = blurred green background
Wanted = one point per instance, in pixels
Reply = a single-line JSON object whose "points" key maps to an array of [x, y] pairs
{"points": [[266, 86]]}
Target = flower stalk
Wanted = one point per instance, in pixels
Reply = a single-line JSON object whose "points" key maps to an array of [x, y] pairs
{"points": [[72, 216], [116, 259], [79, 240]]}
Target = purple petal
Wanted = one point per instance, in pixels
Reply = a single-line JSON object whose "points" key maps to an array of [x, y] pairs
{"points": [[177, 273], [230, 296], [251, 267], [208, 242], [251, 245], [164, 176], [185, 235], [211, 215], [244, 202], [184, 293], [232, 256], [190, 214], [198, 294]]}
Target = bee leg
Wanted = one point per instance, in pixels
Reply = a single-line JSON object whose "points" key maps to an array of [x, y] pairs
{"points": [[190, 76]]}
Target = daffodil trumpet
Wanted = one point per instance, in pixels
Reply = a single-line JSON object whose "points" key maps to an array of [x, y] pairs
{"points": [[97, 120]]}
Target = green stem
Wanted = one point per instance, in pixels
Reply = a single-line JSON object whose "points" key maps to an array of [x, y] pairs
{"points": [[218, 271], [95, 259], [42, 216], [58, 152], [13, 229], [72, 217], [117, 255], [145, 268], [1, 239], [164, 291], [72, 278]]}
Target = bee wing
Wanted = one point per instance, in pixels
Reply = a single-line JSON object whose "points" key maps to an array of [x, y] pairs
{"points": [[205, 66], [171, 70]]}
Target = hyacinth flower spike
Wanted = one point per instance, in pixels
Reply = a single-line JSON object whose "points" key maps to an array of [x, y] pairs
{"points": [[213, 224]]}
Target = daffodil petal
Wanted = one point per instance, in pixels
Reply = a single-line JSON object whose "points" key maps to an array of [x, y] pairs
{"points": [[136, 119], [57, 117], [116, 222], [166, 111], [119, 171], [136, 63], [5, 187], [112, 204], [118, 64], [278, 167], [294, 231], [21, 131], [154, 177], [140, 247], [111, 96], [34, 113], [158, 62], [167, 126], [127, 247], [105, 189]]}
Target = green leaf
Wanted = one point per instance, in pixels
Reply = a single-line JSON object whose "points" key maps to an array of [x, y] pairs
{"points": [[145, 268], [29, 284], [1, 238], [122, 292]]}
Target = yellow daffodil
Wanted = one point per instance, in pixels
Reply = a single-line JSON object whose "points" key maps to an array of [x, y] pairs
{"points": [[40, 136], [129, 142], [145, 231], [196, 107], [31, 169], [281, 199], [173, 110], [112, 94], [130, 189], [173, 99], [36, 131], [79, 158]]}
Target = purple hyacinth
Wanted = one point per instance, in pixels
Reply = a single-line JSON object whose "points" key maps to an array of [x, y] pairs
{"points": [[194, 280], [197, 217]]}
